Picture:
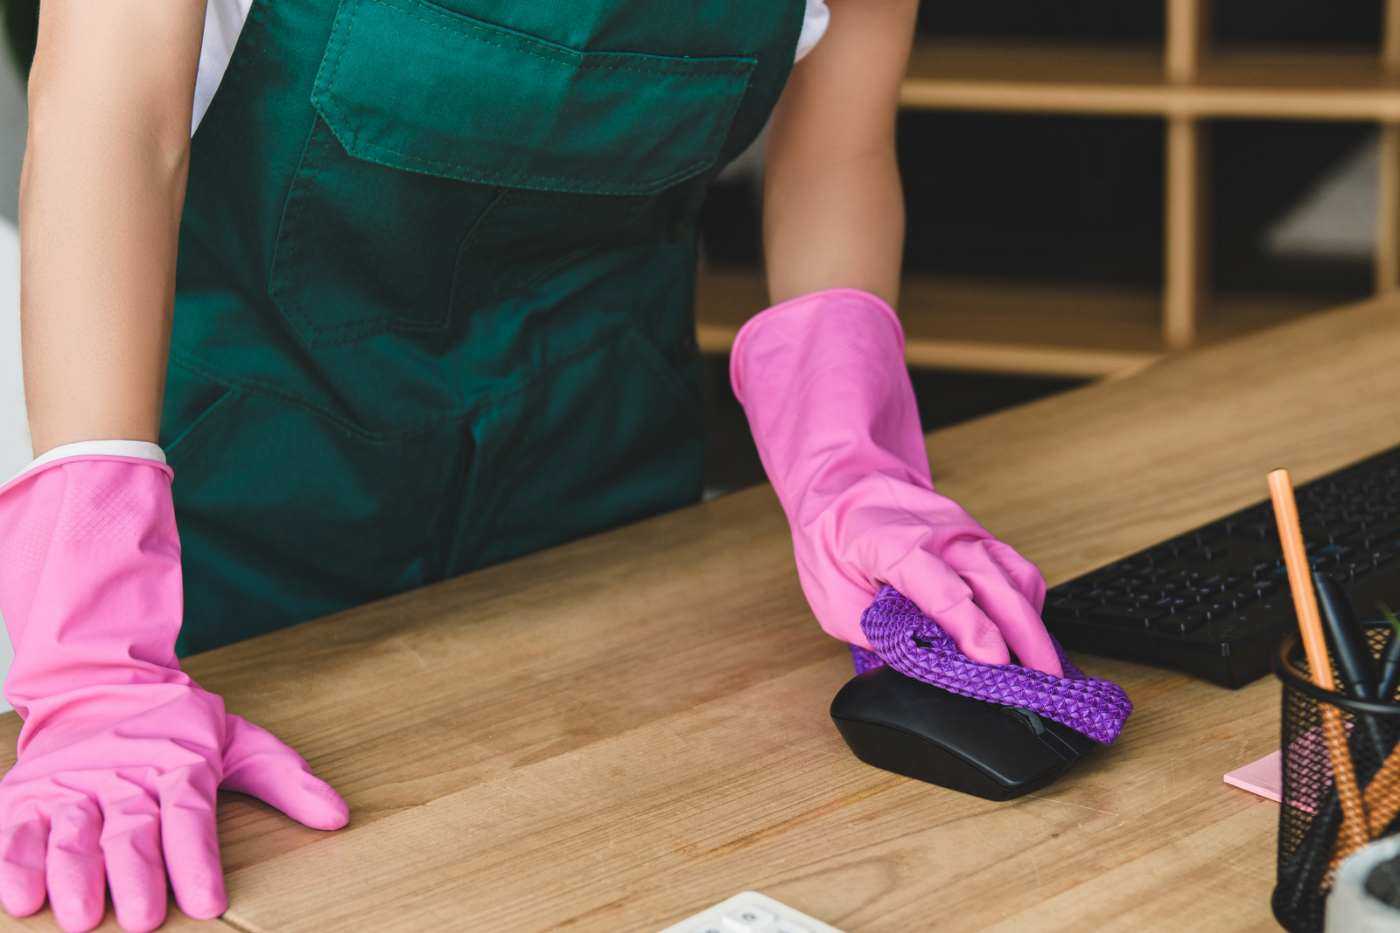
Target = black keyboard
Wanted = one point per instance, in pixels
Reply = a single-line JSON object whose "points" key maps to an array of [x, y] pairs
{"points": [[1214, 602]]}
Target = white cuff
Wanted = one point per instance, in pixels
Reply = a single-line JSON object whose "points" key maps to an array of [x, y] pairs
{"points": [[136, 450]]}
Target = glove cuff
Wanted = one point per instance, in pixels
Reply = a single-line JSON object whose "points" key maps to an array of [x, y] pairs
{"points": [[133, 451], [90, 581], [857, 308]]}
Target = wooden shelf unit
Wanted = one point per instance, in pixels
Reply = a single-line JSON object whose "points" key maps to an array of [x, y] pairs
{"points": [[1042, 329], [1087, 331], [1072, 78]]}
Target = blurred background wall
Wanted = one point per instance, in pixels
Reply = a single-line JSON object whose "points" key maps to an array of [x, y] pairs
{"points": [[11, 115], [13, 436]]}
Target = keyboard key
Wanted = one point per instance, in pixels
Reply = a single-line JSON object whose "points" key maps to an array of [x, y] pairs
{"points": [[1182, 624], [1124, 617], [1073, 607], [1340, 531]]}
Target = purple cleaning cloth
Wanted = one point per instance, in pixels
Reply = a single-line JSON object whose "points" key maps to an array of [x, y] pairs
{"points": [[899, 632]]}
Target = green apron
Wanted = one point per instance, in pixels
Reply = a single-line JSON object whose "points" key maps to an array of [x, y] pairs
{"points": [[434, 297]]}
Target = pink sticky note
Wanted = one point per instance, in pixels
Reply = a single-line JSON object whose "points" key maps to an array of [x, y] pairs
{"points": [[1263, 777]]}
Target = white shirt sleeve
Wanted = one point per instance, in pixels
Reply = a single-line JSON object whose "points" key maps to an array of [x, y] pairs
{"points": [[814, 26], [223, 23]]}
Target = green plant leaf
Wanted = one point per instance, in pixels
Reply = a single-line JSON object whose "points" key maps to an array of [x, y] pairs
{"points": [[1390, 617]]}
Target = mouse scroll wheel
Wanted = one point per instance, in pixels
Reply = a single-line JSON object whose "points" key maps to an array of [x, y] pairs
{"points": [[1029, 718]]}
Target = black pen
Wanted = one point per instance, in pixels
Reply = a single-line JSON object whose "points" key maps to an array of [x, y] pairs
{"points": [[1351, 652], [1350, 649]]}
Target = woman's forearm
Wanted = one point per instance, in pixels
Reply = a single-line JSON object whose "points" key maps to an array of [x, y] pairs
{"points": [[835, 226], [833, 202], [100, 200]]}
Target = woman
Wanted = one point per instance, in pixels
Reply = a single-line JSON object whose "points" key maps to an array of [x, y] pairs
{"points": [[430, 264]]}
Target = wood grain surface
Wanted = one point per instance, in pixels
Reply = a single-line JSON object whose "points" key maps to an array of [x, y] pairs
{"points": [[618, 733]]}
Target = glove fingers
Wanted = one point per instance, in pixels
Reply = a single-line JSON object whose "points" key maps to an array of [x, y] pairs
{"points": [[1023, 573], [1014, 616], [190, 836], [943, 596], [135, 864], [974, 632], [23, 845], [76, 873], [257, 763]]}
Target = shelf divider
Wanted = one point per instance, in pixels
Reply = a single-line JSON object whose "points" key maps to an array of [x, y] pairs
{"points": [[1186, 251], [1188, 27], [1390, 38], [1387, 255]]}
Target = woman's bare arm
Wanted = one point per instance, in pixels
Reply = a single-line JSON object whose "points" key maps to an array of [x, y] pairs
{"points": [[110, 97], [833, 203]]}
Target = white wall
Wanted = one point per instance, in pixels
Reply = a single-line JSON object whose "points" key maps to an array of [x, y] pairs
{"points": [[14, 436]]}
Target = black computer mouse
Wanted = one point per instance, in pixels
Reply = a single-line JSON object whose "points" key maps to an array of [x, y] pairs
{"points": [[920, 731]]}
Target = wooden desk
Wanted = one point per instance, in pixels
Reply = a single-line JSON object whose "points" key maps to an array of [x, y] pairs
{"points": [[618, 733]]}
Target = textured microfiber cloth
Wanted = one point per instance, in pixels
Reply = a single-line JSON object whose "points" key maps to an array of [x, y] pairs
{"points": [[913, 644]]}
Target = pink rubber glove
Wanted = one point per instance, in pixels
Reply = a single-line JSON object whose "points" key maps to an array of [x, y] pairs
{"points": [[121, 754], [823, 381]]}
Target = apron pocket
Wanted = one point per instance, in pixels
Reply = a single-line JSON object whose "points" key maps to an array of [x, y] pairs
{"points": [[286, 516], [427, 117], [607, 437]]}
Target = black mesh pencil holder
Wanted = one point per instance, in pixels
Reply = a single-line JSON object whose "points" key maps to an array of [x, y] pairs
{"points": [[1322, 818]]}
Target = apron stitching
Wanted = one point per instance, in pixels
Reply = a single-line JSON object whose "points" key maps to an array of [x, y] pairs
{"points": [[309, 172], [521, 383], [287, 259], [488, 514], [458, 287], [285, 245], [324, 98], [173, 446], [259, 387], [462, 171], [552, 52]]}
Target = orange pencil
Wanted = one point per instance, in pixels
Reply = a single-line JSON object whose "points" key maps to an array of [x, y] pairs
{"points": [[1353, 834]]}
